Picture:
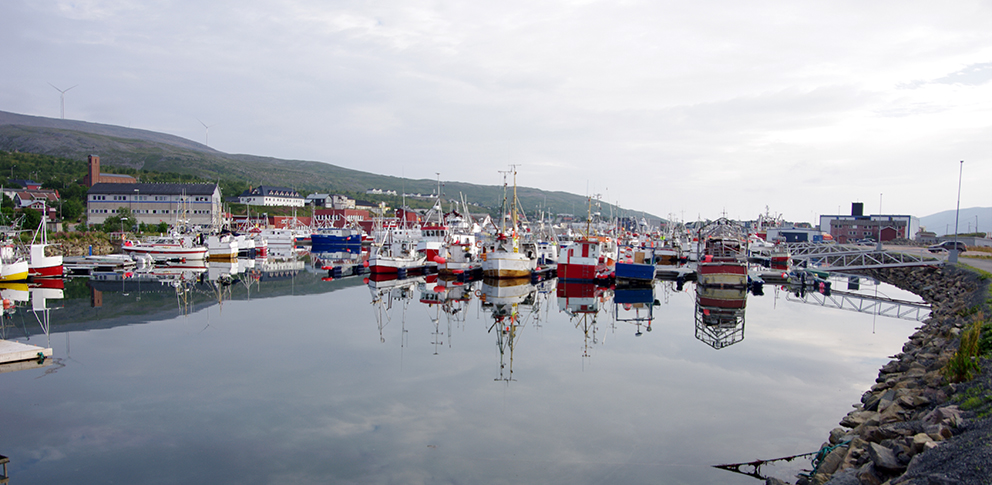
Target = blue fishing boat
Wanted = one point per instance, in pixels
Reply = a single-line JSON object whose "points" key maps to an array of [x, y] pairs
{"points": [[330, 239]]}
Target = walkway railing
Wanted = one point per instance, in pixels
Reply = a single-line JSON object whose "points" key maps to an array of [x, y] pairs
{"points": [[874, 305], [847, 257]]}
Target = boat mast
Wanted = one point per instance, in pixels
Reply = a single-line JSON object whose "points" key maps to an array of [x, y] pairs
{"points": [[513, 211], [502, 207]]}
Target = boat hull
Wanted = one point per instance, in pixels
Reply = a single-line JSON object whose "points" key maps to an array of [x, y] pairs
{"points": [[165, 254], [634, 271], [577, 272], [15, 271], [41, 266], [387, 265], [724, 275], [500, 264]]}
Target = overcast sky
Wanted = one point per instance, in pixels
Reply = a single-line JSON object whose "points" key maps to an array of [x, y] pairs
{"points": [[684, 108]]}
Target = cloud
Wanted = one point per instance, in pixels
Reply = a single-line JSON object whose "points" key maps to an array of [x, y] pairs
{"points": [[691, 98]]}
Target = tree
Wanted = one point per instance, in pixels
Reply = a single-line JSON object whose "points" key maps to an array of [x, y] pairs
{"points": [[122, 220], [7, 209], [72, 209], [32, 219]]}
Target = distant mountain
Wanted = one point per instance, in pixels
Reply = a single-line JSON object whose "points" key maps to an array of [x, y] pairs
{"points": [[943, 222], [143, 149]]}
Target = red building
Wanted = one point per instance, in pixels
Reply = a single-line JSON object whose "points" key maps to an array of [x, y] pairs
{"points": [[95, 177], [339, 217]]}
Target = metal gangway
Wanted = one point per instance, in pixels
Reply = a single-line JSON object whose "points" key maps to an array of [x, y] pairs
{"points": [[849, 257], [861, 303]]}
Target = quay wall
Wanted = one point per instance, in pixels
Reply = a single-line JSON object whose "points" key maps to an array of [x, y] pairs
{"points": [[908, 428]]}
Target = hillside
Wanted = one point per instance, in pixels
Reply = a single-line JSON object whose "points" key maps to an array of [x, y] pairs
{"points": [[141, 149], [943, 222]]}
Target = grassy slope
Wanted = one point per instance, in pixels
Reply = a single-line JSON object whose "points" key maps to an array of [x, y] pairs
{"points": [[305, 176]]}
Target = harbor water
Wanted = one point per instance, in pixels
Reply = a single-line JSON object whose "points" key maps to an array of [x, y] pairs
{"points": [[283, 374]]}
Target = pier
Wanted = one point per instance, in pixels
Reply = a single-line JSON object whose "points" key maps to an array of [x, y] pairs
{"points": [[18, 356], [846, 257]]}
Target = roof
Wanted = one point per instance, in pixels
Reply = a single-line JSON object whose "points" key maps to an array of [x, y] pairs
{"points": [[45, 194], [268, 190], [154, 189]]}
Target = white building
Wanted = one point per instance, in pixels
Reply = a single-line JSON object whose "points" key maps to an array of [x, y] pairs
{"points": [[268, 196], [200, 204], [380, 192]]}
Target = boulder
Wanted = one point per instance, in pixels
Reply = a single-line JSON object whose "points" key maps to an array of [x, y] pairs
{"points": [[885, 459], [920, 442]]}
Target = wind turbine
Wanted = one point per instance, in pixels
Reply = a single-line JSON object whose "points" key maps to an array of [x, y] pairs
{"points": [[62, 96], [207, 130]]}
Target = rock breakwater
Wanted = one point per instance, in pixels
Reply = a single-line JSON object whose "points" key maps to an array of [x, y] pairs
{"points": [[908, 428]]}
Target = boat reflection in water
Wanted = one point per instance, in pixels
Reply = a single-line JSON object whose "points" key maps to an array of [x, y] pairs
{"points": [[341, 261], [513, 304], [719, 315], [41, 294], [450, 296], [582, 302], [635, 306], [434, 294], [386, 290]]}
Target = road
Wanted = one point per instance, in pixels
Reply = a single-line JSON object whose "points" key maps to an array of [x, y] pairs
{"points": [[980, 263]]}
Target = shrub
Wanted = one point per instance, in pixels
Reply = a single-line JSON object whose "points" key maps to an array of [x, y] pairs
{"points": [[964, 363]]}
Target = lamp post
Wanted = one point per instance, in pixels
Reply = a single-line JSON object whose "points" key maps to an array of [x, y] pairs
{"points": [[137, 196], [952, 257]]}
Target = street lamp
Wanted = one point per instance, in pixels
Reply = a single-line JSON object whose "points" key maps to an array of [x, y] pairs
{"points": [[122, 226], [952, 257]]}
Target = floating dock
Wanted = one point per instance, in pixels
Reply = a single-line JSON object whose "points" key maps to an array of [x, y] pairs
{"points": [[87, 265], [18, 356]]}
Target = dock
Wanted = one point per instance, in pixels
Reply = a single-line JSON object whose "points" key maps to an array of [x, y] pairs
{"points": [[19, 356], [87, 265]]}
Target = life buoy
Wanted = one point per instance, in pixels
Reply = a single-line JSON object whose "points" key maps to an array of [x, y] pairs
{"points": [[478, 293], [478, 244]]}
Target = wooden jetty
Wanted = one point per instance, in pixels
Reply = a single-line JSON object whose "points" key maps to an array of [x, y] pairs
{"points": [[86, 265], [19, 356]]}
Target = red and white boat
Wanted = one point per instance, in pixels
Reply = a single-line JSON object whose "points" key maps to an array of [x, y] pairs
{"points": [[585, 259], [39, 265], [396, 252], [723, 262]]}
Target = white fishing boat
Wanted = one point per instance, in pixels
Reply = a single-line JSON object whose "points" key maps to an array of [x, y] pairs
{"points": [[510, 255], [14, 267], [222, 247], [166, 248], [393, 254]]}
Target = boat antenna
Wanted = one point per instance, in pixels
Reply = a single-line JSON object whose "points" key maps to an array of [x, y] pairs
{"points": [[502, 207]]}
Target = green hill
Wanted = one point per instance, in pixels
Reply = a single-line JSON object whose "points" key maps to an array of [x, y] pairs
{"points": [[123, 148]]}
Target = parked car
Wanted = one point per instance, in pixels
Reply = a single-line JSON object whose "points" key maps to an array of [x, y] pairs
{"points": [[947, 246]]}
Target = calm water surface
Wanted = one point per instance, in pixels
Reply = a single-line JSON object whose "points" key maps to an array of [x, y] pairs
{"points": [[292, 379]]}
